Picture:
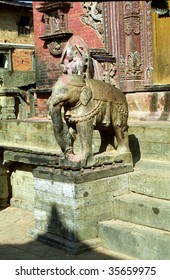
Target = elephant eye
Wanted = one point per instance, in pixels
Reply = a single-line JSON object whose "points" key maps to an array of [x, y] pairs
{"points": [[63, 90]]}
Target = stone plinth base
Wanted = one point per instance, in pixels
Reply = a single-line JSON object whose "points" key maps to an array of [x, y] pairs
{"points": [[150, 103], [69, 204], [72, 247]]}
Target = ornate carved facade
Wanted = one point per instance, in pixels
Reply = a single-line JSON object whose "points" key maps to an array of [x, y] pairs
{"points": [[56, 25], [103, 62], [130, 41], [122, 41], [131, 17], [93, 17]]}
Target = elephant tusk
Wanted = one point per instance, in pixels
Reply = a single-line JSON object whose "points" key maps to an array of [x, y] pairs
{"points": [[61, 103]]}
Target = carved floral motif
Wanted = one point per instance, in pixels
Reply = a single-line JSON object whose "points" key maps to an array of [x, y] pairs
{"points": [[94, 17], [131, 17], [132, 24], [54, 48], [131, 7]]}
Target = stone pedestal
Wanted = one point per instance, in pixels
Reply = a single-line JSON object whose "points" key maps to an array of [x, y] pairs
{"points": [[7, 102], [69, 204]]}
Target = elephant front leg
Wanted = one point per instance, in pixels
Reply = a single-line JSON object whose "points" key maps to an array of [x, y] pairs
{"points": [[61, 131], [85, 132]]}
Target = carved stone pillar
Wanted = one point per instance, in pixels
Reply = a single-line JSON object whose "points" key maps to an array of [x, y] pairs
{"points": [[128, 37]]}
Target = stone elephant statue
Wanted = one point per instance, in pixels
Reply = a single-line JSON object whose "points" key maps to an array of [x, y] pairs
{"points": [[81, 105]]}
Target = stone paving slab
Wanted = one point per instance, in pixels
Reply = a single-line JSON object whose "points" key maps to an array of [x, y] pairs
{"points": [[16, 244]]}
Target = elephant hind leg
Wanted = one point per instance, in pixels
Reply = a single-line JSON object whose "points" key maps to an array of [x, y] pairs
{"points": [[122, 139]]}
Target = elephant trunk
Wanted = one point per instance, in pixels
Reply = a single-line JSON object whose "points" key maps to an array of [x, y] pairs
{"points": [[61, 130]]}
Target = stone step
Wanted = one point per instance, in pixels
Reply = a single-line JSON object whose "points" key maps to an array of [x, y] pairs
{"points": [[150, 140], [151, 178], [136, 241], [143, 210]]}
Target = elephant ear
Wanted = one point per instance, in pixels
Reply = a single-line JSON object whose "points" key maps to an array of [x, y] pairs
{"points": [[85, 95]]}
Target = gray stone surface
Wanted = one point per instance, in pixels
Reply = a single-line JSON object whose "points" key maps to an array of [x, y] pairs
{"points": [[35, 135], [144, 210], [18, 78], [75, 208], [151, 178], [22, 188], [150, 140], [141, 218], [135, 240], [72, 210]]}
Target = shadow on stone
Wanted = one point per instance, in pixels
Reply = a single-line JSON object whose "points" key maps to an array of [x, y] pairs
{"points": [[134, 148], [39, 249], [65, 237]]}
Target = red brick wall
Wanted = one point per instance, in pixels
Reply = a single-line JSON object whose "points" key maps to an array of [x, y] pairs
{"points": [[47, 66], [9, 17]]}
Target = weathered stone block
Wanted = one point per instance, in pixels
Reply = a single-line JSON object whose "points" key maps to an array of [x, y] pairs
{"points": [[135, 240], [22, 188], [151, 178], [70, 208], [19, 78], [150, 140], [144, 210], [150, 104]]}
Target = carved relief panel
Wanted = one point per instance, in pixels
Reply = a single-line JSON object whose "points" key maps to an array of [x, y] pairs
{"points": [[128, 35], [93, 17], [131, 17], [130, 47], [103, 63], [54, 22]]}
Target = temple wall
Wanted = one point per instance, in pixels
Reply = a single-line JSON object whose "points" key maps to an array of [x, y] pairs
{"points": [[47, 65]]}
